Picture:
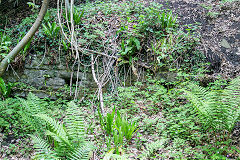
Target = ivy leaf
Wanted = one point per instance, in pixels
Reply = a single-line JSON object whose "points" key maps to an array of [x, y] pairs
{"points": [[127, 49], [136, 41]]}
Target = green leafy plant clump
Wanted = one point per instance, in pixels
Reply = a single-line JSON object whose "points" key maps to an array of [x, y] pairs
{"points": [[77, 16], [5, 42], [5, 89], [128, 128], [64, 141], [116, 128], [51, 29], [130, 48], [218, 110], [167, 20]]}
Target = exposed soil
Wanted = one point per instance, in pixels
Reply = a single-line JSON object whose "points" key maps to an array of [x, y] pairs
{"points": [[219, 26]]}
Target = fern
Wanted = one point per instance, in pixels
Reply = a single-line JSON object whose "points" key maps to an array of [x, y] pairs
{"points": [[67, 142], [218, 109], [231, 102], [81, 152], [42, 149], [32, 106], [56, 130], [75, 124], [151, 148]]}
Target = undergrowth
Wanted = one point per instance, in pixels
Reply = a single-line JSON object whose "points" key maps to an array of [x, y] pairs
{"points": [[142, 33], [170, 118]]}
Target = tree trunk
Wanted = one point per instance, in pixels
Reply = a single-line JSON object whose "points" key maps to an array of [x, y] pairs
{"points": [[26, 38]]}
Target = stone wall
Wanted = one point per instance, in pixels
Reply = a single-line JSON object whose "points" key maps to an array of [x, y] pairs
{"points": [[44, 75], [47, 76]]}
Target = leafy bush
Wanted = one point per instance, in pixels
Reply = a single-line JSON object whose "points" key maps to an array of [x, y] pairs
{"points": [[217, 109], [51, 29], [64, 141], [5, 89], [129, 48], [17, 114], [117, 129], [5, 42]]}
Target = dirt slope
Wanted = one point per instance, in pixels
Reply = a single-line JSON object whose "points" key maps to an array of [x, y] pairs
{"points": [[219, 28]]}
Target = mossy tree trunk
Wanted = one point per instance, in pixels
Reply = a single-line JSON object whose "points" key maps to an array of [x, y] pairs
{"points": [[4, 63]]}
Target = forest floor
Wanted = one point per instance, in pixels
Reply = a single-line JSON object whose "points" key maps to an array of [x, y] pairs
{"points": [[219, 28]]}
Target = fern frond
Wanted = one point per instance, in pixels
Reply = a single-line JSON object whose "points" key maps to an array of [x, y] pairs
{"points": [[217, 112], [198, 96], [64, 140], [57, 131], [232, 92], [75, 123], [43, 150], [81, 152], [231, 101], [152, 147], [31, 106], [206, 105], [219, 109]]}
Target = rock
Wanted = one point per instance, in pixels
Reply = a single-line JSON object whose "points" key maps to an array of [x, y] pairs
{"points": [[225, 44], [67, 75], [167, 76], [236, 133], [55, 83], [44, 95], [238, 52]]}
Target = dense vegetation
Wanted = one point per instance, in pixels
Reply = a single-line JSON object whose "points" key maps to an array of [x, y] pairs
{"points": [[171, 113]]}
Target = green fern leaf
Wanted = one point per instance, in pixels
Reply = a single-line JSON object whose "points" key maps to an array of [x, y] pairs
{"points": [[56, 131], [31, 106], [151, 148], [219, 109], [42, 149], [67, 143], [81, 152], [75, 124]]}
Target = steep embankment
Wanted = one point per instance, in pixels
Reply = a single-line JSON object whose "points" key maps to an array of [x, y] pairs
{"points": [[219, 26]]}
